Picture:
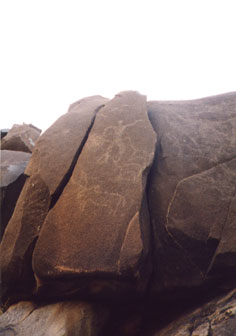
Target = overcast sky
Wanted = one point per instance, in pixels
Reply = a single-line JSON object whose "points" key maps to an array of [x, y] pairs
{"points": [[54, 52]]}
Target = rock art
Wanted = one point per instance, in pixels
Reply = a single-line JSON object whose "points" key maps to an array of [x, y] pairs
{"points": [[57, 319], [13, 165], [49, 169], [99, 228], [192, 189], [126, 221], [21, 138]]}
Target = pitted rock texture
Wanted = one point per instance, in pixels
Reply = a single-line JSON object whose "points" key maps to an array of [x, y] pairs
{"points": [[21, 138], [99, 228], [12, 179], [192, 189], [216, 318], [57, 319], [49, 169]]}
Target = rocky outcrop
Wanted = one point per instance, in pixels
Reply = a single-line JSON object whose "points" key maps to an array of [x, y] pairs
{"points": [[49, 169], [131, 205], [13, 165], [108, 233], [192, 190], [21, 138], [56, 319]]}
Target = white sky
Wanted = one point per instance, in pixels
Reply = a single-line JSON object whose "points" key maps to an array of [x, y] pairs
{"points": [[54, 52]]}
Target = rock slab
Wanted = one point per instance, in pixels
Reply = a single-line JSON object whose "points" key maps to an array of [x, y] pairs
{"points": [[21, 138], [192, 189], [99, 228], [216, 318], [57, 319], [49, 169]]}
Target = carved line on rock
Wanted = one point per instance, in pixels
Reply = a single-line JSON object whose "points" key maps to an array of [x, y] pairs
{"points": [[59, 190], [189, 177], [172, 201], [124, 240], [222, 230]]}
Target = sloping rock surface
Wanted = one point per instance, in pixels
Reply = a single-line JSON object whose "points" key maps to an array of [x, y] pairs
{"points": [[57, 319], [21, 138], [192, 189], [49, 169], [99, 228], [12, 179], [216, 318]]}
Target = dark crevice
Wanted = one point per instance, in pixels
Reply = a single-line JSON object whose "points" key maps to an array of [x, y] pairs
{"points": [[56, 195], [147, 191], [152, 240]]}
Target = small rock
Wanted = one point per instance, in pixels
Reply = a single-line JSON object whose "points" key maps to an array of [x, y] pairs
{"points": [[21, 138]]}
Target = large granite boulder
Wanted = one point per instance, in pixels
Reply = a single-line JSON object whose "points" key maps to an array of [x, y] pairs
{"points": [[12, 179], [55, 319], [49, 170], [21, 138], [97, 236], [192, 190]]}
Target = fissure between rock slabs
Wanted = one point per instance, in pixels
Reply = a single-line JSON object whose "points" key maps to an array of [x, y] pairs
{"points": [[56, 195]]}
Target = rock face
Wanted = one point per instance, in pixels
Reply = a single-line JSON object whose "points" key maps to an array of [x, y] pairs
{"points": [[49, 169], [131, 205], [99, 228], [21, 138], [58, 319], [13, 165], [192, 190]]}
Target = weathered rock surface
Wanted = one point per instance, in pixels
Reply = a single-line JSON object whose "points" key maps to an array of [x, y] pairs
{"points": [[21, 138], [98, 220], [12, 178], [192, 189], [57, 319], [99, 228], [49, 170], [216, 318]]}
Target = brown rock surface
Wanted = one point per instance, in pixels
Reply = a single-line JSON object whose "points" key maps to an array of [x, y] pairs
{"points": [[99, 228], [192, 189], [12, 179], [57, 319], [21, 138], [49, 170]]}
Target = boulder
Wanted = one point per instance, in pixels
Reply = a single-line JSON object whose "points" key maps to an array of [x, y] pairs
{"points": [[49, 170], [192, 190], [56, 319], [21, 138], [13, 165], [97, 237], [216, 318]]}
